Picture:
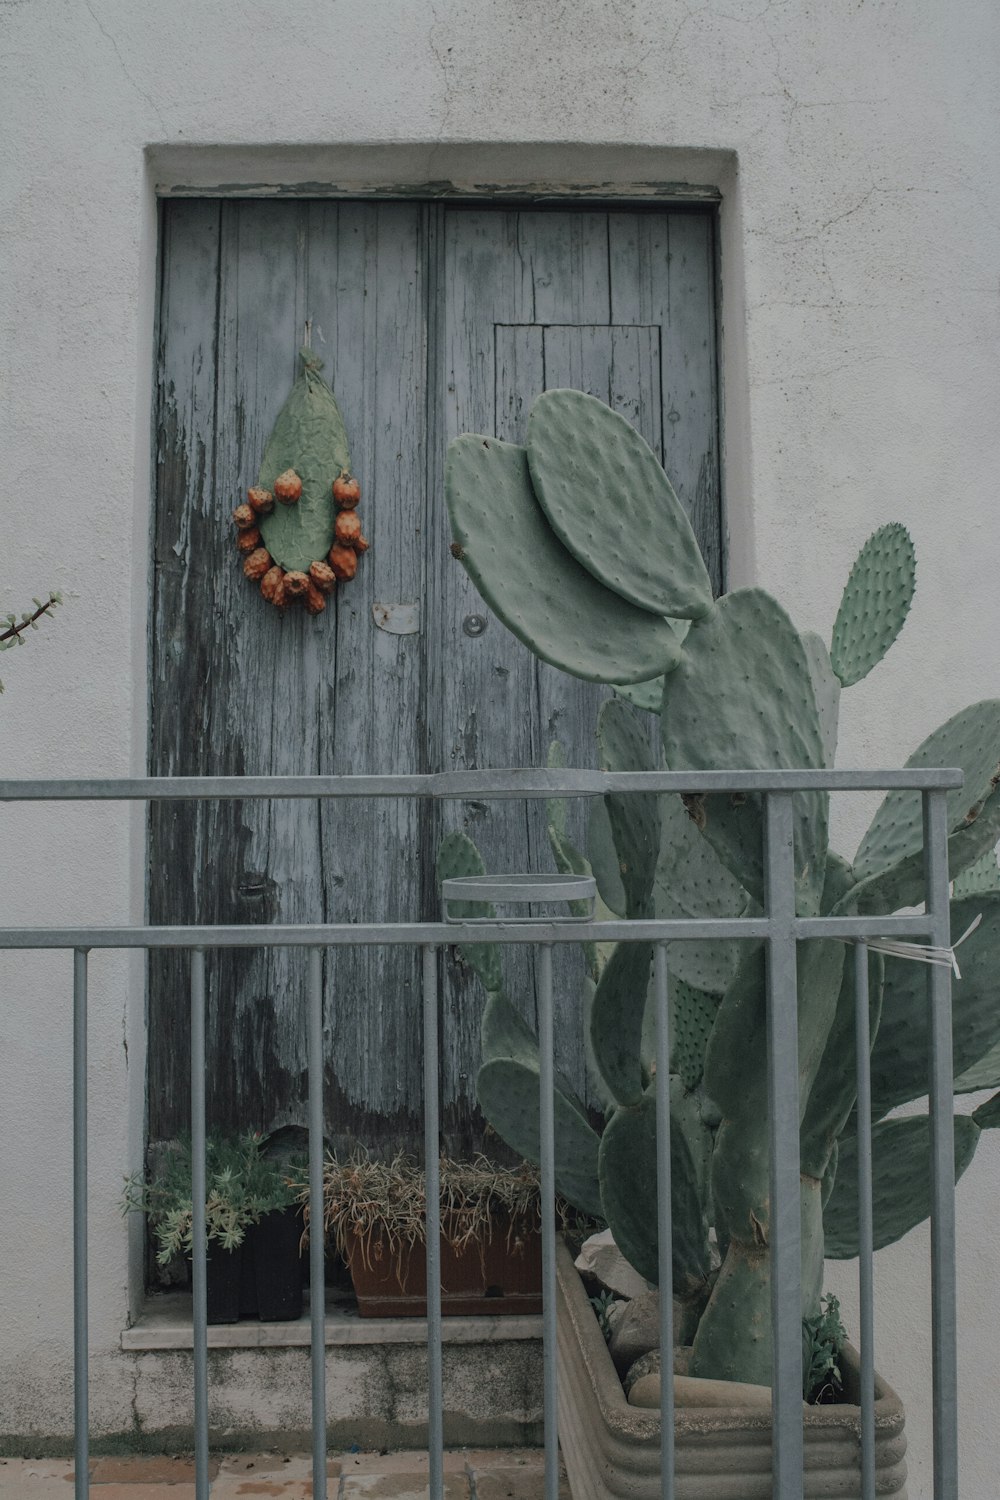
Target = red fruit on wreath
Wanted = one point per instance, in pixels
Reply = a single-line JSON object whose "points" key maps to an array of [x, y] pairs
{"points": [[288, 487], [344, 562], [346, 490]]}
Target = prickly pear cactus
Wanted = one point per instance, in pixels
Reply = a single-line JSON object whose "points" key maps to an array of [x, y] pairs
{"points": [[738, 687], [528, 578]]}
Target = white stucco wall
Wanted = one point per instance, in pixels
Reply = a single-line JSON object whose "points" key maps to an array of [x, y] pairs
{"points": [[856, 145]]}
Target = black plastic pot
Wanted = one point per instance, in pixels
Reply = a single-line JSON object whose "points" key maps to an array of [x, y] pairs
{"points": [[223, 1289], [278, 1265], [248, 1275]]}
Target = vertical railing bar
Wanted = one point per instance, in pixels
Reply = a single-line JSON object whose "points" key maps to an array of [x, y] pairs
{"points": [[942, 1129], [664, 1220], [81, 1336], [783, 1091], [862, 1047], [317, 1227], [199, 1278], [432, 1181], [547, 1153]]}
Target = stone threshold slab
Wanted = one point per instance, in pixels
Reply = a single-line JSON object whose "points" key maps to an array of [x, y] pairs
{"points": [[165, 1323]]}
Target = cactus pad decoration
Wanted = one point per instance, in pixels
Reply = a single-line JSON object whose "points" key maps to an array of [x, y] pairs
{"points": [[298, 531], [738, 686]]}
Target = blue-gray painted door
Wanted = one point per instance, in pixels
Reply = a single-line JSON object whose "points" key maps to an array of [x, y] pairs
{"points": [[432, 320]]}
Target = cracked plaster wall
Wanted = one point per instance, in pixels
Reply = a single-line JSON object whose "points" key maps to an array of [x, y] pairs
{"points": [[860, 320]]}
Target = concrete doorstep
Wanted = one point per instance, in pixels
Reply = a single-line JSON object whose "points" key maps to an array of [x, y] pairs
{"points": [[499, 1474]]}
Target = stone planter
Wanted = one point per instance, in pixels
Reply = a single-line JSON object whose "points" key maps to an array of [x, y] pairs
{"points": [[612, 1450]]}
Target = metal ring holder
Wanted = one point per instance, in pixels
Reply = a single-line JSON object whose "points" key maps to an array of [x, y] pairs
{"points": [[520, 890]]}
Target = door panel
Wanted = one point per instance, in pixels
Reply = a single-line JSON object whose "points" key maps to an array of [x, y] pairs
{"points": [[431, 320]]}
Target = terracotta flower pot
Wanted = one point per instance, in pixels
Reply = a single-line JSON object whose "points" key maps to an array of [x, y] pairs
{"points": [[485, 1277], [612, 1450]]}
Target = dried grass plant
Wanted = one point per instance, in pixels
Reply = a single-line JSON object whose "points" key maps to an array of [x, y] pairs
{"points": [[381, 1205]]}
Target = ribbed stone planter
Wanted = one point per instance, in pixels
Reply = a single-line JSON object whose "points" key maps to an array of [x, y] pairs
{"points": [[612, 1450]]}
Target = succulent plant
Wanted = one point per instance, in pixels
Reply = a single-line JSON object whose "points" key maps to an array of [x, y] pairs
{"points": [[580, 546]]}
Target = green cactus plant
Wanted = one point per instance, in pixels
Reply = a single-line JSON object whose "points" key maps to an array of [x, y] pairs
{"points": [[580, 546]]}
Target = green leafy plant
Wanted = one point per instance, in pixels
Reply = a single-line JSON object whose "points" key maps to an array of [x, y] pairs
{"points": [[13, 629], [242, 1184], [602, 1305], [580, 546], [823, 1340]]}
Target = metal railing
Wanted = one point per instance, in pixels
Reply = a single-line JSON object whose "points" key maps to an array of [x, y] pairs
{"points": [[780, 930]]}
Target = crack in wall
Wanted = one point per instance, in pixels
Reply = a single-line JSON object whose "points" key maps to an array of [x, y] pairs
{"points": [[121, 62]]}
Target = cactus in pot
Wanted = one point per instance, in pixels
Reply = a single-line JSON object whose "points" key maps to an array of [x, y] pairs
{"points": [[580, 546]]}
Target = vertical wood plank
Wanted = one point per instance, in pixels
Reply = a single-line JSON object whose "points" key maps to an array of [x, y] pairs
{"points": [[373, 301], [485, 708], [185, 443], [662, 273]]}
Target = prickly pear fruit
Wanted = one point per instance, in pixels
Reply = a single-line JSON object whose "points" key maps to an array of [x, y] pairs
{"points": [[288, 487], [248, 541], [346, 490], [258, 563], [322, 576], [272, 586], [343, 562]]}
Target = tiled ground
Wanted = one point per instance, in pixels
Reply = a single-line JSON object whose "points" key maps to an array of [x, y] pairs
{"points": [[506, 1474]]}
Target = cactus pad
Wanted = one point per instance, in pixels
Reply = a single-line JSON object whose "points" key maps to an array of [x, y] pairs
{"points": [[309, 436], [627, 1165], [508, 1091], [603, 857], [875, 603], [901, 1055], [537, 588], [645, 695], [901, 1188], [980, 878], [889, 862], [826, 690], [622, 745], [987, 1116], [609, 501], [742, 697], [832, 1097], [616, 1020], [691, 881], [984, 1074], [692, 1015]]}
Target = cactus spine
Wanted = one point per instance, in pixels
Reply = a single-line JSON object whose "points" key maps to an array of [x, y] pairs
{"points": [[738, 687]]}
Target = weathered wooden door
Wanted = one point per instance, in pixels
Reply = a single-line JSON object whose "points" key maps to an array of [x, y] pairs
{"points": [[432, 320]]}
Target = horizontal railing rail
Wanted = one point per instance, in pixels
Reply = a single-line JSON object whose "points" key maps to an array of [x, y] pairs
{"points": [[449, 785], [779, 928]]}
